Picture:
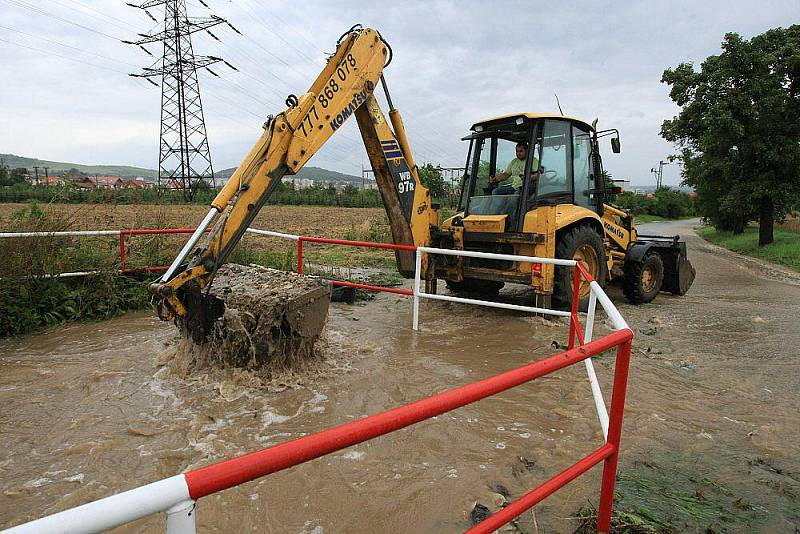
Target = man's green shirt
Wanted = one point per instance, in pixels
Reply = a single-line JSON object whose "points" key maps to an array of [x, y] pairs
{"points": [[516, 168]]}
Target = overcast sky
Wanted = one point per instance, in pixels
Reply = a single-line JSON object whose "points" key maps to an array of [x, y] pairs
{"points": [[65, 94]]}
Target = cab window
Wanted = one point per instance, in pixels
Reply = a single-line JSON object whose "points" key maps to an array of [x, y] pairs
{"points": [[491, 156], [554, 178], [582, 165]]}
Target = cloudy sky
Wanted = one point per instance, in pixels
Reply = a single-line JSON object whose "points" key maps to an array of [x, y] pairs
{"points": [[65, 94]]}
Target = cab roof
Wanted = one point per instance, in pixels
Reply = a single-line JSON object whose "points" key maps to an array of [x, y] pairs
{"points": [[529, 115]]}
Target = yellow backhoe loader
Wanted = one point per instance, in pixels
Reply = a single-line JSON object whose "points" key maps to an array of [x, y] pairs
{"points": [[558, 208]]}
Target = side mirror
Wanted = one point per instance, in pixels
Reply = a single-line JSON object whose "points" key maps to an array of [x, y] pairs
{"points": [[615, 145]]}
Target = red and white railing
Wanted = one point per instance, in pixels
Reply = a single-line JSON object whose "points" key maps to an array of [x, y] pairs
{"points": [[177, 495]]}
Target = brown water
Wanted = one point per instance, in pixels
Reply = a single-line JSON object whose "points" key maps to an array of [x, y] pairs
{"points": [[87, 412]]}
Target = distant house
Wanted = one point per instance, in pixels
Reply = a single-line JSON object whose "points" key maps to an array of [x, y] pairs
{"points": [[297, 183], [137, 183], [173, 185], [108, 182], [51, 180], [99, 182], [82, 182]]}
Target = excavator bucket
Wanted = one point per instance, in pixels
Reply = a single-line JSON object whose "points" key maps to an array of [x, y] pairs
{"points": [[256, 317]]}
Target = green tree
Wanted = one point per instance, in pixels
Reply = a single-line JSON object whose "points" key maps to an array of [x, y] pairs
{"points": [[431, 177], [4, 176], [737, 131], [17, 176]]}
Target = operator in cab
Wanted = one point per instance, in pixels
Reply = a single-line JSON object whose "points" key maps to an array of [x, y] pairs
{"points": [[510, 181]]}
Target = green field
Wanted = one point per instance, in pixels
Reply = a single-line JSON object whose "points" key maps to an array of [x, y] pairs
{"points": [[784, 251]]}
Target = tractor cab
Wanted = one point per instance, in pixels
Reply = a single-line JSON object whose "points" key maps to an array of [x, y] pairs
{"points": [[557, 166]]}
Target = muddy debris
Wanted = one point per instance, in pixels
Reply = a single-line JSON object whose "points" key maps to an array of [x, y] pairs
{"points": [[259, 318]]}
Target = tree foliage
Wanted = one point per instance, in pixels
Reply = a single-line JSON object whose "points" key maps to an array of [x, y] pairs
{"points": [[666, 202], [14, 176], [431, 177], [737, 131]]}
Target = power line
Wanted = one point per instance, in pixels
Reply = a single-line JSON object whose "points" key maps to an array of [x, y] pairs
{"points": [[35, 9], [269, 27], [51, 53], [122, 24], [66, 45]]}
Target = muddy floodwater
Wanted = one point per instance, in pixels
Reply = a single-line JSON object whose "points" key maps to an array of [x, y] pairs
{"points": [[711, 435]]}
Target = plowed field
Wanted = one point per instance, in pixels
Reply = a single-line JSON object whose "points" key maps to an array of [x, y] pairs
{"points": [[324, 221]]}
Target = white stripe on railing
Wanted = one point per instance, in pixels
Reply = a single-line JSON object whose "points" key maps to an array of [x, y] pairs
{"points": [[493, 256], [113, 511], [76, 233], [491, 304], [597, 394], [613, 313], [273, 234]]}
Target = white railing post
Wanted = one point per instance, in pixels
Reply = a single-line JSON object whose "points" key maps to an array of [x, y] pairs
{"points": [[417, 274], [187, 248], [180, 518], [597, 394]]}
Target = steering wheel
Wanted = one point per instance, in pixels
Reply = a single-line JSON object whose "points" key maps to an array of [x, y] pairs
{"points": [[549, 177]]}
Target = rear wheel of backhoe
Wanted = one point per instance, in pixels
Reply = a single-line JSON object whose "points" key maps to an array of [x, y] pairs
{"points": [[475, 286], [581, 243], [643, 279]]}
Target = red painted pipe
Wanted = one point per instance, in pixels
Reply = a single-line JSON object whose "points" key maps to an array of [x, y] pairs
{"points": [[122, 251], [300, 256], [615, 416], [518, 507], [373, 288], [584, 271], [217, 477], [367, 244], [154, 231], [576, 296]]}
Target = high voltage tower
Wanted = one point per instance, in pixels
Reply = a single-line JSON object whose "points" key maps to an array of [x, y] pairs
{"points": [[184, 155]]}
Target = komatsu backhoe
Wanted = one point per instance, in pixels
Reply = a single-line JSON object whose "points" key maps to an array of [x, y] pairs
{"points": [[559, 209]]}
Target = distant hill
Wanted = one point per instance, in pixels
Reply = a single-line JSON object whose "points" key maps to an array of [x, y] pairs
{"points": [[125, 171], [316, 174]]}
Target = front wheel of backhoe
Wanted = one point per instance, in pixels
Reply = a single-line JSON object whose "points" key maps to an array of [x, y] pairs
{"points": [[581, 243], [643, 279]]}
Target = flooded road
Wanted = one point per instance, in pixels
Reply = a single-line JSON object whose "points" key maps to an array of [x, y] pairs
{"points": [[713, 413]]}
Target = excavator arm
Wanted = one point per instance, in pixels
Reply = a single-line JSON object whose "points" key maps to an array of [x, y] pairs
{"points": [[344, 87]]}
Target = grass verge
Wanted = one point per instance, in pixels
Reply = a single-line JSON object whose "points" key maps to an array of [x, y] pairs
{"points": [[644, 219], [784, 251]]}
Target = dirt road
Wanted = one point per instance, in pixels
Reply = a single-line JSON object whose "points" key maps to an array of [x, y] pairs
{"points": [[710, 437], [714, 403]]}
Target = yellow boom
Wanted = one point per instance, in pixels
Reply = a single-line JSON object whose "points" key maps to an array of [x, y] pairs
{"points": [[344, 88]]}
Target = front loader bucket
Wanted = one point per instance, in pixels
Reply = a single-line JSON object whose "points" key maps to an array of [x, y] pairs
{"points": [[678, 270]]}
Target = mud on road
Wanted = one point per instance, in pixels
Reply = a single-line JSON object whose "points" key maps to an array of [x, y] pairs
{"points": [[710, 436]]}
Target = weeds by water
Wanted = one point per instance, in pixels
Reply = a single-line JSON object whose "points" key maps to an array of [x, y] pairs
{"points": [[30, 297]]}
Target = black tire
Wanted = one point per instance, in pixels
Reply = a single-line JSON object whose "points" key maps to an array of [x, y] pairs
{"points": [[569, 244], [643, 279], [475, 286]]}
